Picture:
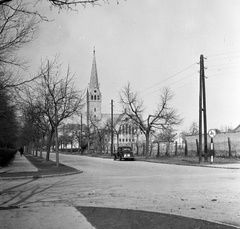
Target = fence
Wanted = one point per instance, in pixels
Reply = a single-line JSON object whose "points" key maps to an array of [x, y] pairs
{"points": [[225, 144]]}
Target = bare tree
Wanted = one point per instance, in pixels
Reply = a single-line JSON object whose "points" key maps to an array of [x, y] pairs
{"points": [[57, 98], [35, 123], [66, 4], [100, 132], [193, 130], [167, 136], [163, 118], [17, 28]]}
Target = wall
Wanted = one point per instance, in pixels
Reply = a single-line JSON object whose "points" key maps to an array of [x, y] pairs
{"points": [[220, 144]]}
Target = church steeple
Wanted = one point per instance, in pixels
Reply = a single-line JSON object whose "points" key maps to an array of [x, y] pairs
{"points": [[94, 76], [94, 94]]}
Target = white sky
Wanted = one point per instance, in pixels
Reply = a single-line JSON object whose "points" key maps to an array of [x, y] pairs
{"points": [[151, 44]]}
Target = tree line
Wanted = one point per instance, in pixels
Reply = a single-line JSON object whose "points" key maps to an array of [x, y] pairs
{"points": [[34, 107]]}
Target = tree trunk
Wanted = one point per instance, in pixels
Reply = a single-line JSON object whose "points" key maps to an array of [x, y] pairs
{"points": [[41, 147], [36, 150], [147, 145], [176, 148], [56, 146], [167, 149], [49, 144]]}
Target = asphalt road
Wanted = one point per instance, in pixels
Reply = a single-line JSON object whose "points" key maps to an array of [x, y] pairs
{"points": [[198, 192]]}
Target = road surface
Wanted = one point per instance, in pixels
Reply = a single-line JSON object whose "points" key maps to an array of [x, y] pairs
{"points": [[204, 193]]}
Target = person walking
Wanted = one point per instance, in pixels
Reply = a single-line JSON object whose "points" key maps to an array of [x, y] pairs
{"points": [[21, 151]]}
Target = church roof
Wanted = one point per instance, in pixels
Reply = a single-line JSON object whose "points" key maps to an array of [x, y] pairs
{"points": [[237, 129], [94, 76]]}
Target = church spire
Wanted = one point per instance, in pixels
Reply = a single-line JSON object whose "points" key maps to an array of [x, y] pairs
{"points": [[94, 97], [94, 76]]}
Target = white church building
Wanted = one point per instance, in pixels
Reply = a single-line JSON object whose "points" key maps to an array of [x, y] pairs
{"points": [[125, 131]]}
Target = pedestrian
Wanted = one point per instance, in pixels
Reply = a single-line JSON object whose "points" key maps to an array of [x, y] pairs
{"points": [[21, 151]]}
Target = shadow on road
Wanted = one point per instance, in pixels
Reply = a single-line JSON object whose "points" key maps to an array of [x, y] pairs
{"points": [[109, 218]]}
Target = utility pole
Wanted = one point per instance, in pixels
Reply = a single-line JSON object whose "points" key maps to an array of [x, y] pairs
{"points": [[200, 114], [88, 129], [111, 127], [202, 109], [204, 113], [80, 137]]}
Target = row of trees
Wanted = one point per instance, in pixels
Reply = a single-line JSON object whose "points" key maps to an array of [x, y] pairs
{"points": [[45, 100], [50, 100], [19, 22]]}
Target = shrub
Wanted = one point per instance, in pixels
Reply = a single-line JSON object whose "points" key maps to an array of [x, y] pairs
{"points": [[6, 156]]}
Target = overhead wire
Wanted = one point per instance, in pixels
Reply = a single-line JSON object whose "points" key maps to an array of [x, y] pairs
{"points": [[223, 63], [221, 54], [164, 80]]}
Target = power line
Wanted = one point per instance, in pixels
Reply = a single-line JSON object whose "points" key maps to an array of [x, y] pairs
{"points": [[227, 73], [221, 54], [168, 85], [210, 66], [219, 69], [168, 78], [223, 58]]}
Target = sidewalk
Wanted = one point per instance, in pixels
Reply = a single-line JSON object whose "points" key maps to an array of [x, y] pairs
{"points": [[53, 217], [37, 217], [20, 164]]}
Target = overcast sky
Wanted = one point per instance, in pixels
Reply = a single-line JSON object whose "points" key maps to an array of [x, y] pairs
{"points": [[151, 44]]}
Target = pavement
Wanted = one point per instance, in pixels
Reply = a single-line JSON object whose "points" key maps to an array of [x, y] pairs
{"points": [[19, 164], [40, 217], [48, 217]]}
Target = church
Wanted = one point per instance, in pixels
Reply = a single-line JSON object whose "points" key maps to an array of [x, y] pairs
{"points": [[126, 133]]}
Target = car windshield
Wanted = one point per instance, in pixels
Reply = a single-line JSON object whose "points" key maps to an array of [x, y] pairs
{"points": [[126, 149]]}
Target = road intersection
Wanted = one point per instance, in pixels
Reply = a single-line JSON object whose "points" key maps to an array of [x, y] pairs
{"points": [[198, 192]]}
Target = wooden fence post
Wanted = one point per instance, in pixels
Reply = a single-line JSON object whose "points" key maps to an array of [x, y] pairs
{"points": [[186, 148], [229, 147], [158, 149], [197, 147]]}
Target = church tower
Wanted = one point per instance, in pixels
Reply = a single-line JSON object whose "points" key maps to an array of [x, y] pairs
{"points": [[94, 97]]}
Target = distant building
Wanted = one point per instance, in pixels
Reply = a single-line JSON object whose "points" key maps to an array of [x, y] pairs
{"points": [[125, 131]]}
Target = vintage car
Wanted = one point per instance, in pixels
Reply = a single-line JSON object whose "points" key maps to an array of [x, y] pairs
{"points": [[124, 152]]}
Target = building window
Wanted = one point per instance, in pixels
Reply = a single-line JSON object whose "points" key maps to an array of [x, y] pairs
{"points": [[95, 116], [95, 97], [98, 97], [91, 97], [95, 109]]}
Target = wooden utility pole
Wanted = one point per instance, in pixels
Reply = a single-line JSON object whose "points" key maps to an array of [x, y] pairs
{"points": [[200, 113], [80, 136], [111, 127], [88, 129], [202, 110]]}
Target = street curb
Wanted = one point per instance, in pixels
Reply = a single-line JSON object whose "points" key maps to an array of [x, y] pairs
{"points": [[197, 165], [41, 176], [173, 163]]}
